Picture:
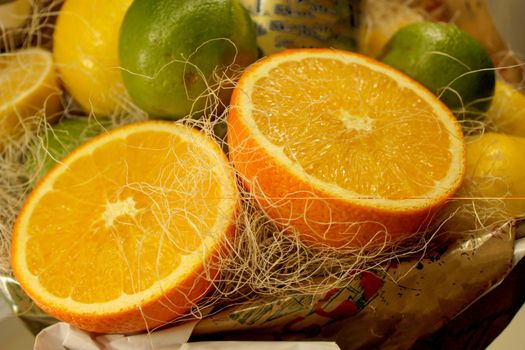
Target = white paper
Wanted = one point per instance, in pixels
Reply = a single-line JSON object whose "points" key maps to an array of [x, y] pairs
{"points": [[263, 345], [62, 336], [519, 251]]}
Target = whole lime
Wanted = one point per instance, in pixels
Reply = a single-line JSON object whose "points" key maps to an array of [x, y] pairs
{"points": [[448, 61], [172, 51], [59, 141]]}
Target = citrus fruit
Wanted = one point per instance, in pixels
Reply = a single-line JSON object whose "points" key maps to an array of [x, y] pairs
{"points": [[507, 111], [448, 61], [29, 87], [343, 148], [494, 175], [13, 14], [118, 237], [380, 19], [61, 139], [171, 51], [85, 47]]}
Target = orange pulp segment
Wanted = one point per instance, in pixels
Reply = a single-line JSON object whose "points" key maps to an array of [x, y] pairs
{"points": [[117, 237], [341, 147]]}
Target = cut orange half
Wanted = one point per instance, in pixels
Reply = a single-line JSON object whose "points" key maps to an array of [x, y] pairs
{"points": [[119, 236], [345, 149]]}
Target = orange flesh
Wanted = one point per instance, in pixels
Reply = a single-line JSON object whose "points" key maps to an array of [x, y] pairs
{"points": [[376, 141], [139, 221]]}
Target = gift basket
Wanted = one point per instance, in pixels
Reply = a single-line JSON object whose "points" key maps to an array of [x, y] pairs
{"points": [[297, 174]]}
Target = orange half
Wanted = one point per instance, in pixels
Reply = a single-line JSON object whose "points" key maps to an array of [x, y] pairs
{"points": [[346, 150], [120, 235]]}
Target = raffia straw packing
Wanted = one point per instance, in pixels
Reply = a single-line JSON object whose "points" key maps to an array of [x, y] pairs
{"points": [[264, 262]]}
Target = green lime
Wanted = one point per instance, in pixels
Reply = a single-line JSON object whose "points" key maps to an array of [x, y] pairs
{"points": [[171, 51], [59, 141], [448, 61]]}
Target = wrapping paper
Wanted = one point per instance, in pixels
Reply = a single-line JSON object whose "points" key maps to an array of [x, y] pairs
{"points": [[62, 336], [416, 299], [294, 24], [393, 310]]}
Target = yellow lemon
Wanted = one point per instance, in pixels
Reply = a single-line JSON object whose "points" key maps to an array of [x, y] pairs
{"points": [[29, 91], [494, 175], [380, 20], [507, 111], [86, 53], [14, 15]]}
